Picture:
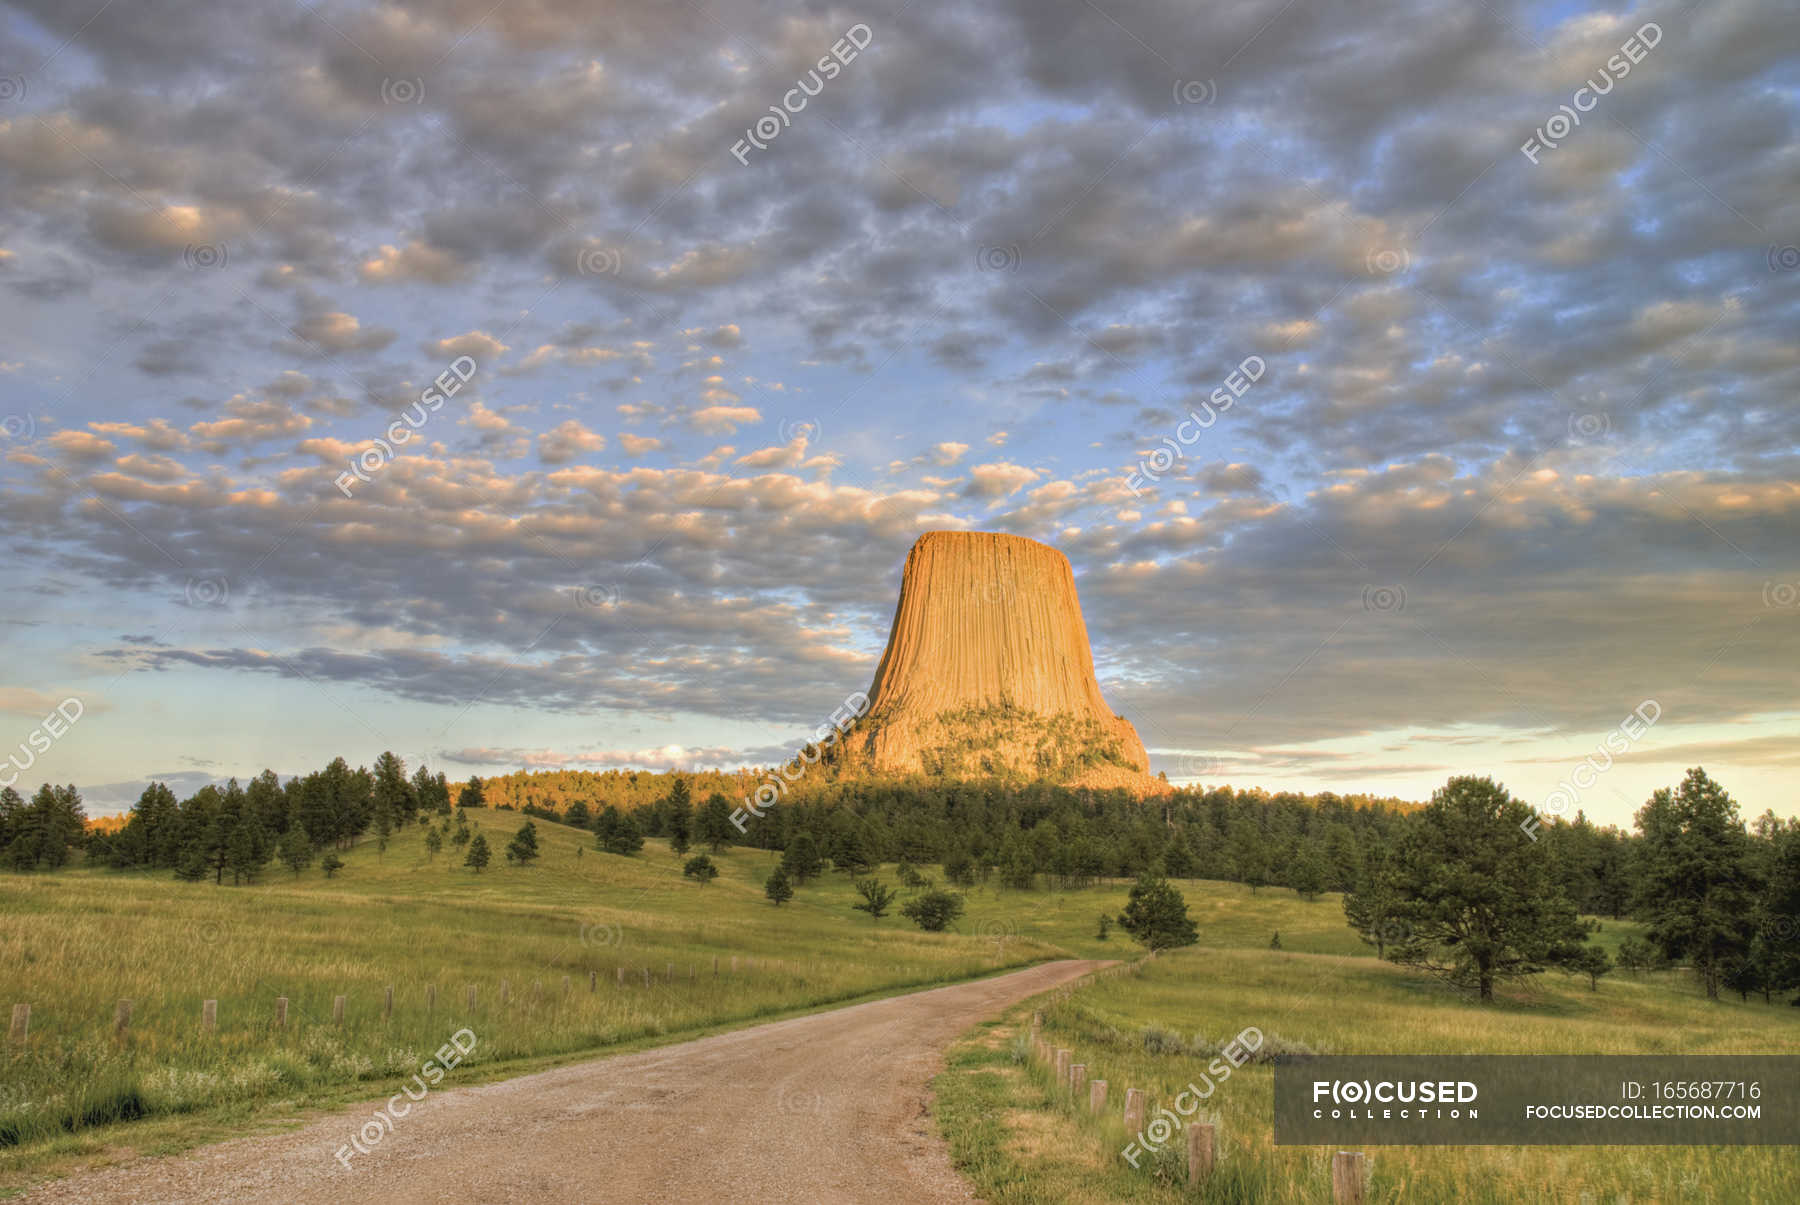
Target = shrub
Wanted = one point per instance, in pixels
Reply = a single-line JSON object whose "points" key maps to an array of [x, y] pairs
{"points": [[933, 911]]}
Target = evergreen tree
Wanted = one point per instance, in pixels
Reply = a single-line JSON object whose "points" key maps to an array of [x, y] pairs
{"points": [[434, 841], [1343, 858], [714, 827], [226, 817], [384, 824], [702, 868], [959, 869], [194, 832], [617, 833], [392, 791], [1249, 855], [335, 804], [675, 807], [150, 836], [247, 850], [43, 832], [12, 827], [1636, 955], [478, 854], [523, 848], [1697, 892], [1306, 875], [1370, 907], [331, 864], [577, 815], [429, 792], [801, 858], [933, 911], [1478, 899], [1156, 915], [265, 800], [1017, 869], [296, 849], [1749, 972], [877, 898], [473, 794], [1593, 962], [1178, 858], [849, 853], [678, 816], [199, 835], [1781, 910], [778, 887]]}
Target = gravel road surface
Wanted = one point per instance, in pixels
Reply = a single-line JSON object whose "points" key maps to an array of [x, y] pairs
{"points": [[829, 1108]]}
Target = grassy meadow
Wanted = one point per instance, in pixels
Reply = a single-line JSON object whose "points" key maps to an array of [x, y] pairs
{"points": [[1157, 1027], [75, 942]]}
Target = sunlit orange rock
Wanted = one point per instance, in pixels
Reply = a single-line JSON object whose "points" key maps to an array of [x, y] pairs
{"points": [[988, 672]]}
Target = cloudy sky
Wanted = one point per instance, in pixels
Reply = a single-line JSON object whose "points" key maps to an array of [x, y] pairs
{"points": [[1522, 454]]}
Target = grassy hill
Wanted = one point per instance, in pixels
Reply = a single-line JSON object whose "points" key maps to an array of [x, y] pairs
{"points": [[1158, 1028], [72, 944]]}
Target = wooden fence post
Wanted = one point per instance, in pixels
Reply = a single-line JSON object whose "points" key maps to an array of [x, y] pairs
{"points": [[646, 976], [471, 997], [281, 1012], [715, 966], [505, 991], [337, 1010], [593, 981], [1077, 1077], [621, 976], [387, 1004], [122, 1018], [1201, 1152], [1347, 1178], [209, 1014], [1096, 1095], [1062, 1065], [1134, 1110], [21, 1024], [430, 996]]}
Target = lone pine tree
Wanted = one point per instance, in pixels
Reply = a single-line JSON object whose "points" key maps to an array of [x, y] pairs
{"points": [[1476, 898], [1156, 916], [523, 848]]}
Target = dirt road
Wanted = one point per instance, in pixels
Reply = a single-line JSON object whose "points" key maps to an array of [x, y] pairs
{"points": [[829, 1108]]}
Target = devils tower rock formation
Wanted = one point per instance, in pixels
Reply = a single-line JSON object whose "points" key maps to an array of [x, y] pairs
{"points": [[988, 673]]}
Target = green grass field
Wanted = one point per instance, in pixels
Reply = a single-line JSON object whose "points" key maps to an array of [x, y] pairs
{"points": [[1021, 1141], [73, 943]]}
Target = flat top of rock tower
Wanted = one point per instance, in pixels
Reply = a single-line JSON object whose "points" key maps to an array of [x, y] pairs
{"points": [[982, 537]]}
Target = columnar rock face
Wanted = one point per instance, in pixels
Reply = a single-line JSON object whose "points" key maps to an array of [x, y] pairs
{"points": [[988, 672]]}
